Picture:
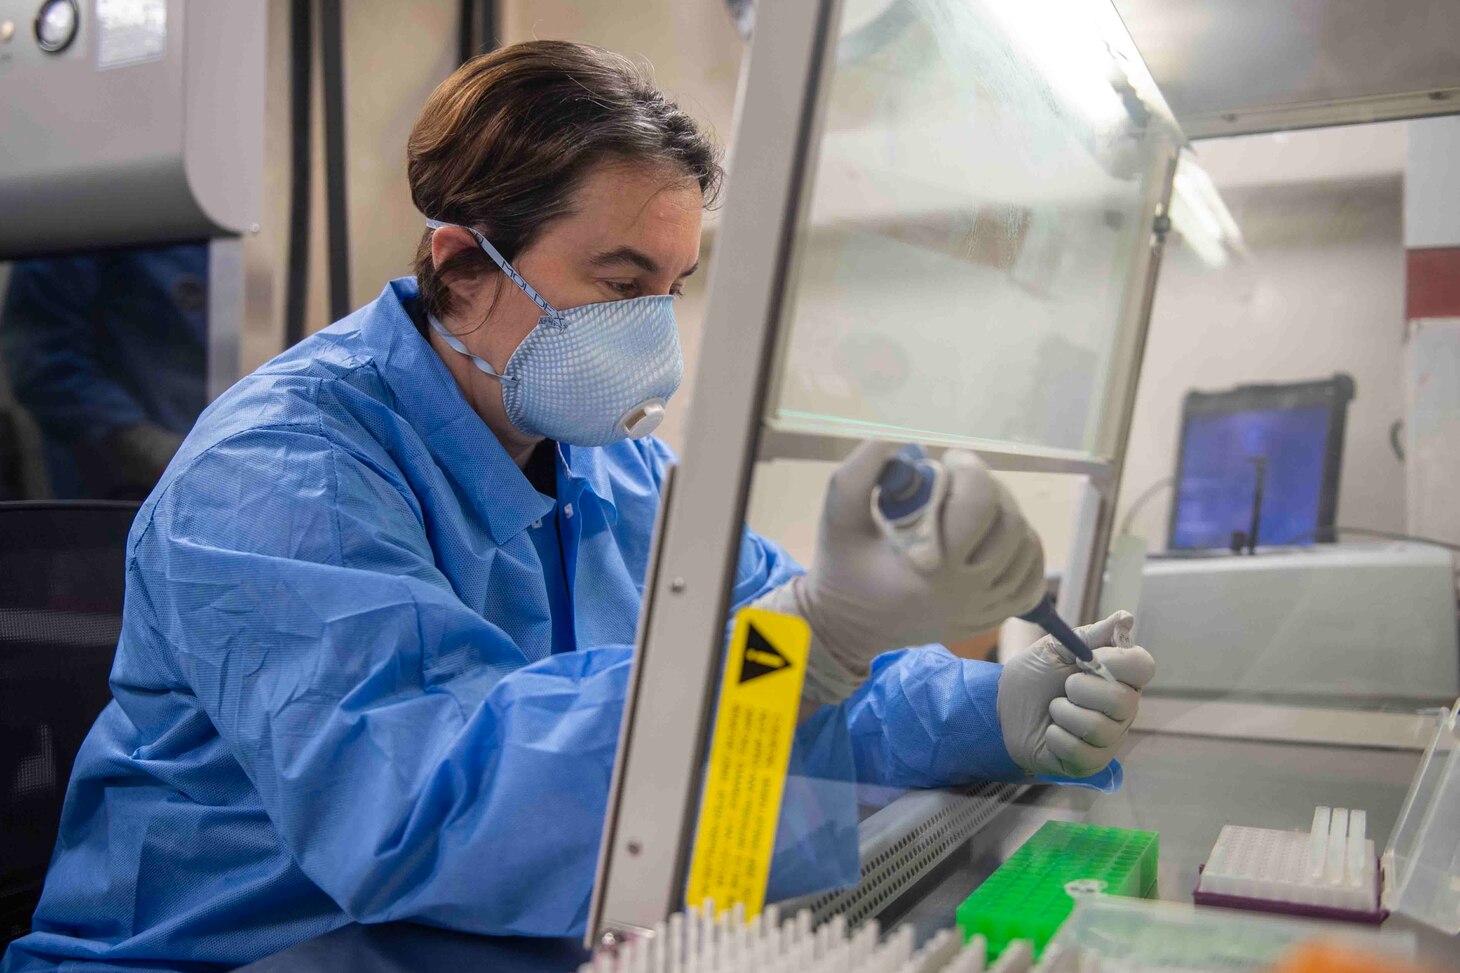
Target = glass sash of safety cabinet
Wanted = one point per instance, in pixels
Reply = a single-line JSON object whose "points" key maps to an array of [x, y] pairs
{"points": [[942, 226]]}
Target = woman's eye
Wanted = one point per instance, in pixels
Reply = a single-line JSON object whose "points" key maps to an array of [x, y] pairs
{"points": [[626, 288]]}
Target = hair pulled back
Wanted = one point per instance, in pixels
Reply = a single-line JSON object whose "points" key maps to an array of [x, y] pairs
{"points": [[504, 142]]}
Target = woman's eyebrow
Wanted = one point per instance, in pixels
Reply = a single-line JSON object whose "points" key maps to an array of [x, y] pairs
{"points": [[625, 255], [629, 255]]}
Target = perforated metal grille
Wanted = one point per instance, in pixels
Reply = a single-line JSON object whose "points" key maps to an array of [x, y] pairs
{"points": [[27, 627], [908, 839], [37, 772]]}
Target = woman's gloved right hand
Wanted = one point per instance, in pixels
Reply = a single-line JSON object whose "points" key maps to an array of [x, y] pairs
{"points": [[862, 596]]}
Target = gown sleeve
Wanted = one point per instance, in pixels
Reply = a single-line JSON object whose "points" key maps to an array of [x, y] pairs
{"points": [[926, 718]]}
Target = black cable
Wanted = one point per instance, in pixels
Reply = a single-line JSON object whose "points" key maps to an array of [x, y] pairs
{"points": [[466, 31], [490, 34], [476, 29], [332, 58], [1142, 500], [1259, 483], [296, 287], [1321, 532]]}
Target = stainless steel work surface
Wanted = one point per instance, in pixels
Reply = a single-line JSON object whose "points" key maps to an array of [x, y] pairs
{"points": [[1185, 788]]}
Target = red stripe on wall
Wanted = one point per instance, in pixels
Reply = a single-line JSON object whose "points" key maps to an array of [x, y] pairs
{"points": [[1432, 286]]}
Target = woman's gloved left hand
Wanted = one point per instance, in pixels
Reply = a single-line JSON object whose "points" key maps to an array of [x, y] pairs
{"points": [[1062, 721]]}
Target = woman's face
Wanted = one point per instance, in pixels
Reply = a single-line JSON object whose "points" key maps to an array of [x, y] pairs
{"points": [[632, 232]]}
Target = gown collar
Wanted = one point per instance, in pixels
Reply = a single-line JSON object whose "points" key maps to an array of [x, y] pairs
{"points": [[430, 400]]}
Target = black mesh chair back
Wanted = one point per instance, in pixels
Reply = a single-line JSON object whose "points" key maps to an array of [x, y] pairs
{"points": [[62, 574], [10, 474]]}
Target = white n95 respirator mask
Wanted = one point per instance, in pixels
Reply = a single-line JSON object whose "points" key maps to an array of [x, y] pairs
{"points": [[589, 375]]}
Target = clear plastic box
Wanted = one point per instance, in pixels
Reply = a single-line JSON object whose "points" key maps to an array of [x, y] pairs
{"points": [[1422, 861], [1124, 935]]}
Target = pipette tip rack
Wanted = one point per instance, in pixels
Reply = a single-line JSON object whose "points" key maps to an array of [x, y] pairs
{"points": [[1032, 893], [1329, 872], [706, 941]]}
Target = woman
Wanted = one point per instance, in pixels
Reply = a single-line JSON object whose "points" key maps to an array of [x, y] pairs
{"points": [[380, 608]]}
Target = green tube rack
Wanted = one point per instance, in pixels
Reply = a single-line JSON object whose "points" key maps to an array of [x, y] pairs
{"points": [[1026, 897]]}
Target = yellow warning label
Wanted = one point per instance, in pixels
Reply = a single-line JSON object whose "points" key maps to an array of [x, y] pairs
{"points": [[760, 697]]}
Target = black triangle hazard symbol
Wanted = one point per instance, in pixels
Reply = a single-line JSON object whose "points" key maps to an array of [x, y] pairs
{"points": [[761, 658]]}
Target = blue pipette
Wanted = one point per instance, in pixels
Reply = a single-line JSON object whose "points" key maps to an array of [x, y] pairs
{"points": [[905, 490], [1045, 616]]}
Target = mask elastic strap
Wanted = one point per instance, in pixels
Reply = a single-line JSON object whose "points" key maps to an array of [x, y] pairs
{"points": [[501, 261], [459, 346]]}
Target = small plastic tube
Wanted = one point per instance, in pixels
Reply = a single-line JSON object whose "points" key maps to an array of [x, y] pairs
{"points": [[945, 949], [1357, 868], [1059, 959], [1318, 842], [1017, 957], [692, 933], [1337, 846], [971, 958], [678, 942], [923, 959], [864, 943], [918, 961], [903, 940], [978, 946]]}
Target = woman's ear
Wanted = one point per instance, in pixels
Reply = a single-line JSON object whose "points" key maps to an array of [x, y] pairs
{"points": [[448, 245], [448, 241]]}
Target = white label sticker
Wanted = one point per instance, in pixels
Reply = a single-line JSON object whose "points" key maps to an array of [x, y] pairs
{"points": [[130, 32]]}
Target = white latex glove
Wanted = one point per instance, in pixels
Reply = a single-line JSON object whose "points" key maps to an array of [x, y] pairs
{"points": [[863, 597], [1059, 720]]}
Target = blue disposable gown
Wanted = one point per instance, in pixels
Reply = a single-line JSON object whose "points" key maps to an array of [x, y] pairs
{"points": [[336, 697]]}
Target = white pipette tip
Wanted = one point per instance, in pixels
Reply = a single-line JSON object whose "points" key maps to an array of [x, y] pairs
{"points": [[704, 939]]}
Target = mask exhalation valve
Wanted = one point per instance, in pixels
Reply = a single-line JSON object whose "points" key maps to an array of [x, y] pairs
{"points": [[643, 418]]}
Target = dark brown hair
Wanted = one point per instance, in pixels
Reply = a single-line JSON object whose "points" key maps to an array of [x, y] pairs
{"points": [[503, 144]]}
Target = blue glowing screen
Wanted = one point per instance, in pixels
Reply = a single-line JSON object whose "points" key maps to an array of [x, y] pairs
{"points": [[1215, 494]]}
